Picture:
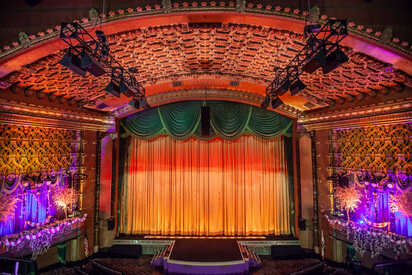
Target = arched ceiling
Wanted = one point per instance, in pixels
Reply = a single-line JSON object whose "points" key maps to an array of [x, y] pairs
{"points": [[238, 53]]}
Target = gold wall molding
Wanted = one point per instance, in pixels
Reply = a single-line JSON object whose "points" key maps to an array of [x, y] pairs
{"points": [[366, 121], [395, 112], [206, 94], [16, 113]]}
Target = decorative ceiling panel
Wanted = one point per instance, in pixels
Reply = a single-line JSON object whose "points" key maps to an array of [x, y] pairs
{"points": [[239, 52]]}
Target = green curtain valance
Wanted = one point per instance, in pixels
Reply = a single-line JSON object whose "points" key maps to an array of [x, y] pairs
{"points": [[228, 120]]}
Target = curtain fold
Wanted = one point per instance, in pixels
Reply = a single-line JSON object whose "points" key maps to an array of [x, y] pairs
{"points": [[228, 120], [195, 187], [180, 120], [267, 124]]}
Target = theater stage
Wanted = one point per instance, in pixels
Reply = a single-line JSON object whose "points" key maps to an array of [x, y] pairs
{"points": [[206, 256], [151, 244]]}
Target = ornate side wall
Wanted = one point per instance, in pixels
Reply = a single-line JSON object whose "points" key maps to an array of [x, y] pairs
{"points": [[376, 149], [31, 150]]}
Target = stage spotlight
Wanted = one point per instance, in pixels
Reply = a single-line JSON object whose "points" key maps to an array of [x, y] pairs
{"points": [[143, 103], [113, 89], [139, 103], [104, 47], [284, 87], [116, 90], [296, 87], [313, 28], [265, 102], [101, 36], [319, 60], [135, 103], [334, 60], [276, 102], [91, 65], [73, 63]]}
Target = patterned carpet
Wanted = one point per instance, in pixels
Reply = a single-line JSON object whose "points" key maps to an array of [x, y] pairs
{"points": [[142, 266], [284, 267]]}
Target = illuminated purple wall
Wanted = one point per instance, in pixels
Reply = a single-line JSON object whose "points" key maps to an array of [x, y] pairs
{"points": [[379, 193], [35, 200]]}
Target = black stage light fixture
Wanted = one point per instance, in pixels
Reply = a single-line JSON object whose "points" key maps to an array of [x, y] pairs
{"points": [[143, 103], [334, 60], [322, 40], [276, 102], [265, 102], [91, 65], [116, 89], [313, 28], [73, 63], [296, 87], [104, 47], [319, 60], [101, 36], [284, 87], [135, 103], [122, 87], [113, 89], [139, 103]]}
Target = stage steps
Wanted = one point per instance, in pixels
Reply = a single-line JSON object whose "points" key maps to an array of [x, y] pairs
{"points": [[157, 260], [264, 247], [212, 257], [254, 260]]}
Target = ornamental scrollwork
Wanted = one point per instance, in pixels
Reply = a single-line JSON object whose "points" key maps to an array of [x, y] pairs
{"points": [[25, 149], [373, 149]]}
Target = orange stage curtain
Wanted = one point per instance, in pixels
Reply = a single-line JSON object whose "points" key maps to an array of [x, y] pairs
{"points": [[205, 188]]}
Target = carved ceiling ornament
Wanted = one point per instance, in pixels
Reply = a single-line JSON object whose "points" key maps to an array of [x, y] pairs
{"points": [[155, 7], [239, 52]]}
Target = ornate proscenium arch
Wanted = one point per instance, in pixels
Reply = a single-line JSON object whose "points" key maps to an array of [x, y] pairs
{"points": [[184, 52]]}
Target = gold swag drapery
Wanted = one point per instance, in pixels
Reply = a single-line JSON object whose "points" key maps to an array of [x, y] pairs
{"points": [[204, 188]]}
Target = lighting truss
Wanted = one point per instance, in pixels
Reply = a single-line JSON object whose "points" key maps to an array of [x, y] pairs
{"points": [[324, 38], [95, 55]]}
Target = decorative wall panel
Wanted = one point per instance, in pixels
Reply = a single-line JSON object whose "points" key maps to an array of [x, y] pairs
{"points": [[25, 149], [374, 162], [43, 171], [373, 149]]}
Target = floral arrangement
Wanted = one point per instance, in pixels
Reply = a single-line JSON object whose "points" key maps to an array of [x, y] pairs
{"points": [[401, 203], [405, 203], [348, 198], [40, 239], [367, 239], [65, 198], [7, 206]]}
